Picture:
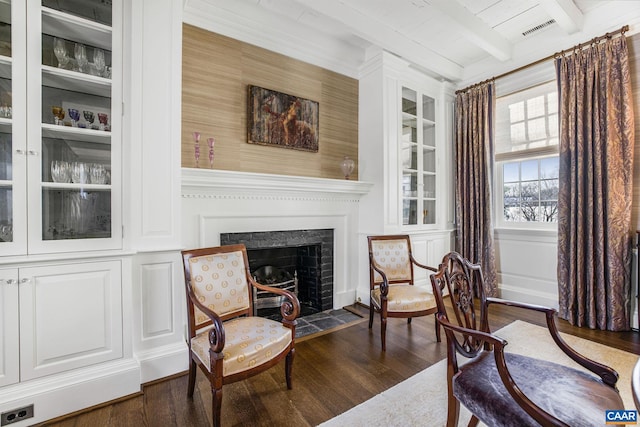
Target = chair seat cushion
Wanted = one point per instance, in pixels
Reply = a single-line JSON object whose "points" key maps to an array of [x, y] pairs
{"points": [[249, 342], [405, 298], [571, 395]]}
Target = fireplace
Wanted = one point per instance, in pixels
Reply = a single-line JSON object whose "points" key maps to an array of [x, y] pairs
{"points": [[307, 254]]}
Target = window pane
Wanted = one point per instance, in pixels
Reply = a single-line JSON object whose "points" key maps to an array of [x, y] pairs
{"points": [[517, 133], [529, 170], [552, 102], [535, 107], [549, 168], [537, 129], [511, 172], [516, 112]]}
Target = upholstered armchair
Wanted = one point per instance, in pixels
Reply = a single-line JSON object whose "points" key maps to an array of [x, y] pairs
{"points": [[226, 341], [505, 389], [391, 283]]}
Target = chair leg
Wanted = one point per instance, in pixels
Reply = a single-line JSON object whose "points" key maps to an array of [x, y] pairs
{"points": [[453, 411], [216, 406], [370, 314], [192, 378], [288, 367], [383, 332], [409, 320], [437, 328], [473, 422]]}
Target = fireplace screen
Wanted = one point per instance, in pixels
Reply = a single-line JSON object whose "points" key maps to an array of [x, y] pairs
{"points": [[276, 277]]}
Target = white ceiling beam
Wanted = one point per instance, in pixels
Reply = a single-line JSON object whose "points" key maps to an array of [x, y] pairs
{"points": [[565, 13], [474, 29], [379, 33]]}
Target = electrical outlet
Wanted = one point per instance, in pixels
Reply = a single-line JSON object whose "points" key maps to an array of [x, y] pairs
{"points": [[16, 415]]}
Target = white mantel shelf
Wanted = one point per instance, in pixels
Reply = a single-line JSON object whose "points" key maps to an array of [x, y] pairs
{"points": [[203, 182]]}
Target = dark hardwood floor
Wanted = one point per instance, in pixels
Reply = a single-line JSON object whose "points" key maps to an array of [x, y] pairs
{"points": [[332, 373]]}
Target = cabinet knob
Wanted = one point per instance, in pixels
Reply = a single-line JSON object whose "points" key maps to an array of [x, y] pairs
{"points": [[19, 151], [25, 280], [33, 153], [8, 281]]}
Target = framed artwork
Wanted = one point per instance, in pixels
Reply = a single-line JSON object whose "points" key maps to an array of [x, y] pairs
{"points": [[282, 120]]}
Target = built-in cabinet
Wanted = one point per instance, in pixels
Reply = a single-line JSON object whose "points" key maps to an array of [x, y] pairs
{"points": [[419, 157], [405, 150], [60, 126], [63, 272], [89, 331]]}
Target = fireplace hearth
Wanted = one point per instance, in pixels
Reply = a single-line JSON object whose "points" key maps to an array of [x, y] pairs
{"points": [[307, 254]]}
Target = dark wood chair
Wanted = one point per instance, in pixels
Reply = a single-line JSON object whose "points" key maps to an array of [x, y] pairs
{"points": [[391, 283], [501, 388], [225, 339]]}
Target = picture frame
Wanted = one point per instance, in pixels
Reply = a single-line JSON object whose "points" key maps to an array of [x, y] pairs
{"points": [[281, 120]]}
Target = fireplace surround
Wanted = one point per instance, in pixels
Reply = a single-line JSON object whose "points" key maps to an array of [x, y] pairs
{"points": [[309, 253]]}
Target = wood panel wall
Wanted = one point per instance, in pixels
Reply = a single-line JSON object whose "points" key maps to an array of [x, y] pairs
{"points": [[216, 73]]}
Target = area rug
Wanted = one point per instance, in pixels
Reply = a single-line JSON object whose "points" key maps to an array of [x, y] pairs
{"points": [[422, 399]]}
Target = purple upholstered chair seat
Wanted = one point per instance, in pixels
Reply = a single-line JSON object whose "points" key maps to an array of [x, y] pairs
{"points": [[574, 396]]}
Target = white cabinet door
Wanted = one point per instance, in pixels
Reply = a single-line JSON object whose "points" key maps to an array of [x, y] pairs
{"points": [[70, 317], [9, 341]]}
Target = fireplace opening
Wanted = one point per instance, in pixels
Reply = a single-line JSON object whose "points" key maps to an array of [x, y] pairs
{"points": [[305, 255]]}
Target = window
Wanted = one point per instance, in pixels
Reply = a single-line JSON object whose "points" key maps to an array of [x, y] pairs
{"points": [[527, 157]]}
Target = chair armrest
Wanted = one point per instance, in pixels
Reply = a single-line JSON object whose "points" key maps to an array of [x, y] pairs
{"points": [[418, 264], [216, 333], [539, 414], [290, 308], [608, 375], [384, 285]]}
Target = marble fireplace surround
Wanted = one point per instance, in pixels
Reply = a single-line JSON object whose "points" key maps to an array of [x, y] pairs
{"points": [[215, 202]]}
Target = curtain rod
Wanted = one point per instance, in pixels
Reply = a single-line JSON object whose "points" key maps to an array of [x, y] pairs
{"points": [[593, 41]]}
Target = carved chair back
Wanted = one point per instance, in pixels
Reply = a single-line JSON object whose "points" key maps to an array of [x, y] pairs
{"points": [[392, 254]]}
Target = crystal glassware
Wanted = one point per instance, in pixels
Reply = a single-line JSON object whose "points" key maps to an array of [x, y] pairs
{"points": [[90, 117], [60, 51], [80, 53], [196, 137], [75, 116], [79, 173], [211, 142], [103, 118], [60, 171], [98, 61], [58, 114], [98, 174]]}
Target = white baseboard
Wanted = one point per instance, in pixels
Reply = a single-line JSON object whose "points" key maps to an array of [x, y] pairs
{"points": [[530, 296], [163, 361], [64, 393]]}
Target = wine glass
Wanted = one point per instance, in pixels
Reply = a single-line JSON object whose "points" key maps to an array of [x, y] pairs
{"points": [[80, 53], [60, 51], [60, 171], [98, 61], [89, 117], [75, 116], [103, 118], [57, 113]]}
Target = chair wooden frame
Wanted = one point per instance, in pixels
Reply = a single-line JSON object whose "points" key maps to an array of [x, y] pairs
{"points": [[383, 307], [470, 335], [290, 309]]}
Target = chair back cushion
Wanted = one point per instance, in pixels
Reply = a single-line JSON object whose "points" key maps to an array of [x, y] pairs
{"points": [[392, 257], [219, 281]]}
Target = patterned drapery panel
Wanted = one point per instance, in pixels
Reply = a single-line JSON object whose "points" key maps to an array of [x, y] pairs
{"points": [[474, 160], [595, 192]]}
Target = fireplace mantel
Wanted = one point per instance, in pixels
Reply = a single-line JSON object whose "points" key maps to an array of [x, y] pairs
{"points": [[203, 182], [216, 202]]}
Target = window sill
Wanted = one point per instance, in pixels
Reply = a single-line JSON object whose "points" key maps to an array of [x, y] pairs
{"points": [[528, 234]]}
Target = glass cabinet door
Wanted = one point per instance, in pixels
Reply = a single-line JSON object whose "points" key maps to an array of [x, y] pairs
{"points": [[12, 132], [73, 168], [418, 157]]}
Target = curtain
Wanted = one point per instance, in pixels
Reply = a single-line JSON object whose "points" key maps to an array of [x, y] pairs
{"points": [[474, 160], [595, 192]]}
